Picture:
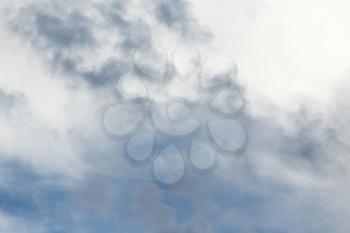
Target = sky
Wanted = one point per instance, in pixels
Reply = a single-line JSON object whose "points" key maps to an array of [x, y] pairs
{"points": [[174, 116]]}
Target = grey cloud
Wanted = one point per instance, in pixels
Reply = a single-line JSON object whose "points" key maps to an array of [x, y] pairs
{"points": [[66, 39], [301, 143], [69, 38], [74, 32], [137, 35], [111, 70], [49, 30], [156, 215], [173, 13], [115, 12], [177, 15], [7, 101]]}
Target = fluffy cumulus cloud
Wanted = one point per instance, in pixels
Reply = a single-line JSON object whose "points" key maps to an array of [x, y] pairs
{"points": [[73, 72]]}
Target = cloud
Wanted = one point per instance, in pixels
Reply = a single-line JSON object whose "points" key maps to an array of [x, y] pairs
{"points": [[44, 140], [177, 15], [61, 173], [94, 42]]}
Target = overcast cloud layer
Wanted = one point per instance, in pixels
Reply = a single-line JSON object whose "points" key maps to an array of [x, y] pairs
{"points": [[61, 62]]}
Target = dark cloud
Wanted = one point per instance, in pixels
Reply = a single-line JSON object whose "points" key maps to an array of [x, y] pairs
{"points": [[173, 13], [70, 37], [299, 141], [110, 71], [74, 32], [53, 28], [68, 40], [177, 15]]}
